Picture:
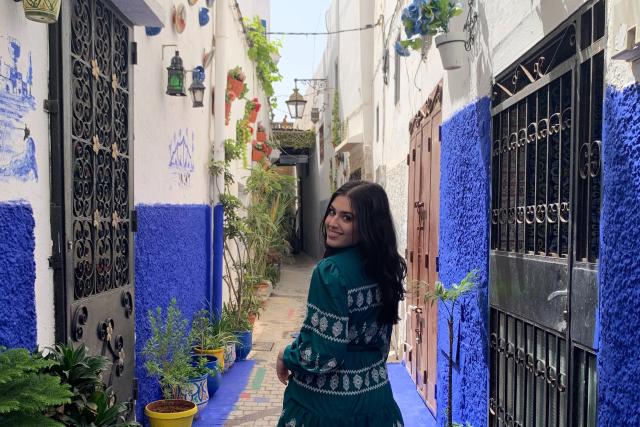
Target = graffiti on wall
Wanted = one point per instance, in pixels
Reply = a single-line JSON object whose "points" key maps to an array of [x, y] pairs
{"points": [[17, 147], [181, 150]]}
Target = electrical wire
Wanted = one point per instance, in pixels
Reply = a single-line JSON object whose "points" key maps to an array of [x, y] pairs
{"points": [[289, 33]]}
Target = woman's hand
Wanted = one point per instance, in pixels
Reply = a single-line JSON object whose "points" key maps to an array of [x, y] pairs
{"points": [[281, 369]]}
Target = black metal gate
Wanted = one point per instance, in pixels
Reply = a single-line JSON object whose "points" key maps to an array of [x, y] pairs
{"points": [[547, 130], [92, 183]]}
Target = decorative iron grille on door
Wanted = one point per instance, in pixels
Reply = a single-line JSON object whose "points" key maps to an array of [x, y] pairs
{"points": [[97, 303], [547, 129]]}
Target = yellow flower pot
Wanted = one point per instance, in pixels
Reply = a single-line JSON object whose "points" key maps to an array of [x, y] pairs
{"points": [[170, 413], [218, 352]]}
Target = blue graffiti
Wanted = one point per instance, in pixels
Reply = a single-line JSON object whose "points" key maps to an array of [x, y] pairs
{"points": [[17, 150], [181, 162]]}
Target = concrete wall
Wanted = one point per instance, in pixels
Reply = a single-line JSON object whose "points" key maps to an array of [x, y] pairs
{"points": [[25, 278]]}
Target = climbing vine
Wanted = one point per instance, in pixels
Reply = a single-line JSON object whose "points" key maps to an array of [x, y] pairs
{"points": [[262, 51], [335, 120]]}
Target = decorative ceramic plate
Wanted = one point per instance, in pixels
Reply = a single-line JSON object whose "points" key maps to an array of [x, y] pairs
{"points": [[192, 2], [179, 18]]}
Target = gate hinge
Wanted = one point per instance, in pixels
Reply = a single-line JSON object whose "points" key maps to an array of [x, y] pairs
{"points": [[55, 261], [440, 133], [424, 377], [437, 264], [435, 390], [134, 389], [51, 106], [134, 221], [134, 53]]}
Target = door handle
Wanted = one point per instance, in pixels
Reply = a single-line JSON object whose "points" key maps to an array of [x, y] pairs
{"points": [[416, 309], [418, 205], [556, 294]]}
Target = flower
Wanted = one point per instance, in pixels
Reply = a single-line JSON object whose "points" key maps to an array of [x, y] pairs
{"points": [[401, 50]]}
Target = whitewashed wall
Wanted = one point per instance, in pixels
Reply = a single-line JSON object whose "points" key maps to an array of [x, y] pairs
{"points": [[33, 41]]}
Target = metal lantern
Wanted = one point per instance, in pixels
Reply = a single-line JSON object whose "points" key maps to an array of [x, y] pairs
{"points": [[175, 81], [197, 87], [296, 104], [315, 115]]}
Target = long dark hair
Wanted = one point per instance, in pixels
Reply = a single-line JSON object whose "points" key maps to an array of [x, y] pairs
{"points": [[377, 242]]}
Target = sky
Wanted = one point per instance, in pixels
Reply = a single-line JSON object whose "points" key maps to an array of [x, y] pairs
{"points": [[299, 55]]}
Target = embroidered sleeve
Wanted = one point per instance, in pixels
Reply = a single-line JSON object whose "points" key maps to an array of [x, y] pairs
{"points": [[323, 338]]}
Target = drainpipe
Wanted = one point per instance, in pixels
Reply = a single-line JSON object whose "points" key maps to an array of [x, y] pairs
{"points": [[217, 183]]}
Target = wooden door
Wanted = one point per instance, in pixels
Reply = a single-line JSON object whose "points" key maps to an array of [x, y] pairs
{"points": [[424, 207]]}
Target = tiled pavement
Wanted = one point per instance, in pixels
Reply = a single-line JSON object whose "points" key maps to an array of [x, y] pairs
{"points": [[261, 402]]}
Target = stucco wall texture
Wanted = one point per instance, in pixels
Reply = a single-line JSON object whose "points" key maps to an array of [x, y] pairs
{"points": [[463, 246], [173, 259], [17, 276], [619, 293]]}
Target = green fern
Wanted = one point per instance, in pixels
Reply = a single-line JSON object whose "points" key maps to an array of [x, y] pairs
{"points": [[26, 393]]}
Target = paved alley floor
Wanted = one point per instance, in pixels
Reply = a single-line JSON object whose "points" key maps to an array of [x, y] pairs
{"points": [[260, 403]]}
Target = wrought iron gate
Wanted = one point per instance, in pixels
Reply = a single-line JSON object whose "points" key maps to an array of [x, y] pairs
{"points": [[547, 130], [92, 221]]}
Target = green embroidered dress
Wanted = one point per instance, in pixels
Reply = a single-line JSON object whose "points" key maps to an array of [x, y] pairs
{"points": [[338, 362]]}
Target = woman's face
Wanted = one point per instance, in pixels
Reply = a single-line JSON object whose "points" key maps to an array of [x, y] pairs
{"points": [[340, 224]]}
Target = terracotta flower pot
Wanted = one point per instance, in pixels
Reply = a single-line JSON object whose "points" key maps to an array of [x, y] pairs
{"points": [[253, 116], [234, 86], [261, 136]]}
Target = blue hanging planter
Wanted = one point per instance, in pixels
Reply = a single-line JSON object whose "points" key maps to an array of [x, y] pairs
{"points": [[152, 31]]}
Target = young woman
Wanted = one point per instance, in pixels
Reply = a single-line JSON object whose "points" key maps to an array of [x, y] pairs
{"points": [[335, 370]]}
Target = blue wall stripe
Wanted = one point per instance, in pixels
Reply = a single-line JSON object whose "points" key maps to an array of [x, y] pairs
{"points": [[173, 259], [619, 275], [463, 246], [17, 276]]}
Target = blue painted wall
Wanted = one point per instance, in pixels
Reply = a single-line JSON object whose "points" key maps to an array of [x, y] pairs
{"points": [[464, 245], [173, 259], [619, 293], [17, 276]]}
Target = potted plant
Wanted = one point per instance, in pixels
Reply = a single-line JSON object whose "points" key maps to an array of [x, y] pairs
{"points": [[45, 11], [251, 110], [28, 394], [236, 318], [422, 18], [167, 358], [258, 150], [235, 83], [208, 338], [93, 402], [261, 134], [448, 297]]}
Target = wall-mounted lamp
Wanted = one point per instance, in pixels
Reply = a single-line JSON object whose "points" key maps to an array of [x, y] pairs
{"points": [[175, 80], [197, 87], [315, 115], [296, 102]]}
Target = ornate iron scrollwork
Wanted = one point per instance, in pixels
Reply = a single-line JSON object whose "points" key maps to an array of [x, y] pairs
{"points": [[80, 317], [115, 346], [127, 303]]}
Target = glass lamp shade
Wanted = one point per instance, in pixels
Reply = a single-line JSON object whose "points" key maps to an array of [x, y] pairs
{"points": [[175, 80], [296, 103], [197, 87]]}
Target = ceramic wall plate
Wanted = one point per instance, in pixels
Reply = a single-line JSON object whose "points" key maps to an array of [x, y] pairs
{"points": [[209, 3], [179, 18], [192, 2]]}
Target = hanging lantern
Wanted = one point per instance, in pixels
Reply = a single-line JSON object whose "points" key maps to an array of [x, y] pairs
{"points": [[296, 103], [197, 87], [175, 81], [315, 115]]}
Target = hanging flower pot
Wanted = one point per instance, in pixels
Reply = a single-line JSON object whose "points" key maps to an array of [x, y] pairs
{"points": [[451, 47], [261, 136], [44, 11], [235, 83]]}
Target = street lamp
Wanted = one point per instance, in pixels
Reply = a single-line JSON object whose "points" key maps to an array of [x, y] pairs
{"points": [[175, 81], [296, 102]]}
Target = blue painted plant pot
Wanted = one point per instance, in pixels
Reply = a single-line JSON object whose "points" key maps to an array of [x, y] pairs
{"points": [[243, 346], [152, 31], [213, 383], [197, 392]]}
